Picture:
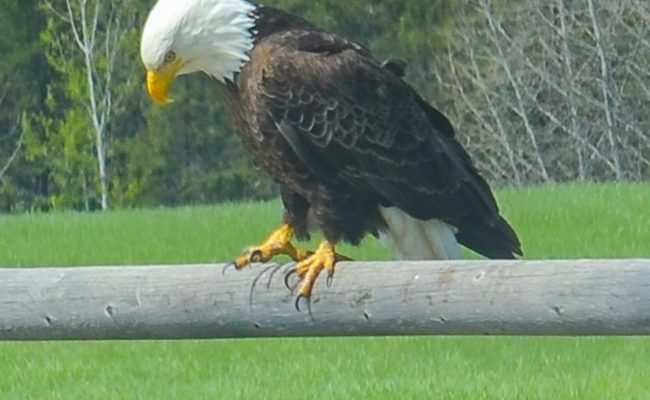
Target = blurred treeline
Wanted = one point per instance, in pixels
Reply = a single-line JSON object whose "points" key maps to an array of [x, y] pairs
{"points": [[539, 91]]}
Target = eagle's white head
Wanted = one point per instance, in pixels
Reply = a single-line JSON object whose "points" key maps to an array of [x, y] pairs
{"points": [[185, 36]]}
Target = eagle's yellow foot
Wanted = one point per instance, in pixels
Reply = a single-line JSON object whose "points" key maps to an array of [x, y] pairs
{"points": [[308, 269], [278, 243]]}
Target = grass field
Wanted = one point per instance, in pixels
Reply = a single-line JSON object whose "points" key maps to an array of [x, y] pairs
{"points": [[553, 222]]}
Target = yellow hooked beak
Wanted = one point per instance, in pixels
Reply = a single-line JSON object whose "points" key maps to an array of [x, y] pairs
{"points": [[159, 82]]}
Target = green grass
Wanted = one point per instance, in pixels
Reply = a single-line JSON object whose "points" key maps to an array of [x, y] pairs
{"points": [[553, 222], [183, 235]]}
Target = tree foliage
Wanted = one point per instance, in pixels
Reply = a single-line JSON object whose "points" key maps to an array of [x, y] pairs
{"points": [[24, 74]]}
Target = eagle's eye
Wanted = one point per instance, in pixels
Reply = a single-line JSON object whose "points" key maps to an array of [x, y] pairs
{"points": [[170, 56]]}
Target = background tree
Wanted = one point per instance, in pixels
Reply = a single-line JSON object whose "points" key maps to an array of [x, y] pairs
{"points": [[84, 39], [552, 91], [539, 91], [23, 74]]}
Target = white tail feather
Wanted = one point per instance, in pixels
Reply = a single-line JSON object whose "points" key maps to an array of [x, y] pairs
{"points": [[414, 239]]}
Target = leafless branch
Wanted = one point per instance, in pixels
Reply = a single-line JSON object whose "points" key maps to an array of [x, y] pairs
{"points": [[564, 86], [605, 78], [11, 159]]}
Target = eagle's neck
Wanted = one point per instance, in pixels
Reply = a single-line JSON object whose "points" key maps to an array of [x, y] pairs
{"points": [[222, 37], [269, 21], [235, 27]]}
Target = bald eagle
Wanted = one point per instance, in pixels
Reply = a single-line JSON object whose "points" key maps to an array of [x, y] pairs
{"points": [[354, 148]]}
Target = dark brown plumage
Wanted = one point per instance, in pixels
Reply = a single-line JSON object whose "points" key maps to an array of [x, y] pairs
{"points": [[342, 134]]}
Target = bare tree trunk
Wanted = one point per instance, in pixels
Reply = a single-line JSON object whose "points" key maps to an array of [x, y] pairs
{"points": [[569, 81], [519, 109], [98, 42], [501, 132], [604, 80], [86, 42], [12, 157]]}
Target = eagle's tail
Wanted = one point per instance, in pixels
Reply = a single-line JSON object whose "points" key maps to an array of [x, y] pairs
{"points": [[414, 239]]}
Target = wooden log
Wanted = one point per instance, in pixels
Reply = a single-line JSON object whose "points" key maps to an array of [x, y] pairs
{"points": [[561, 297]]}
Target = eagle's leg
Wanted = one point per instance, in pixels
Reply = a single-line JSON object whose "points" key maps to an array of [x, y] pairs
{"points": [[279, 242], [308, 269]]}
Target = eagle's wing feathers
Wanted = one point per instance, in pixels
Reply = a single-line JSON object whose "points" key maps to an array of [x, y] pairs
{"points": [[348, 117]]}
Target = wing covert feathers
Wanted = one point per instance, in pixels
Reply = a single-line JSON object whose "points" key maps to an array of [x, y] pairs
{"points": [[356, 127]]}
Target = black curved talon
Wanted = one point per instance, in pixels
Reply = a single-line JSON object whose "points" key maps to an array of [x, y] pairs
{"points": [[330, 278], [293, 288], [228, 266], [297, 303], [257, 278], [286, 279], [307, 299], [276, 269], [255, 256]]}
